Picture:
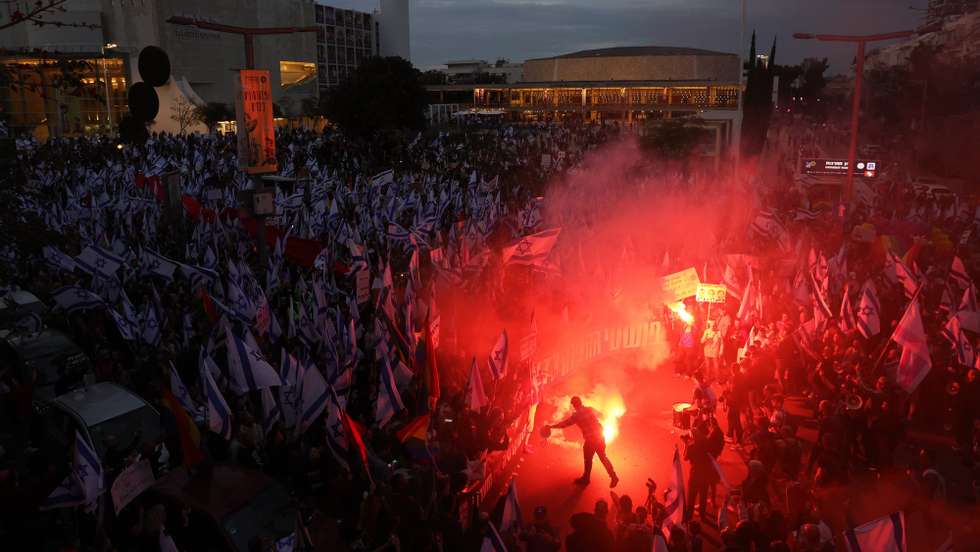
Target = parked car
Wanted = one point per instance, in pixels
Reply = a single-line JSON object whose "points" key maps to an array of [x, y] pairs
{"points": [[230, 506], [61, 365], [111, 417], [16, 306]]}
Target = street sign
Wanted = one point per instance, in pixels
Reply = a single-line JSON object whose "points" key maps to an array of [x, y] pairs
{"points": [[866, 168], [256, 133], [711, 293], [679, 285]]}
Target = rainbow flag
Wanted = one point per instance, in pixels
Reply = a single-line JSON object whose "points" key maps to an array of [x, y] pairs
{"points": [[190, 437], [414, 436]]}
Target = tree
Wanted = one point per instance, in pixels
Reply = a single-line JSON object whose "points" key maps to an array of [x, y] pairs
{"points": [[674, 139], [432, 76], [183, 113], [213, 112], [40, 14], [383, 93]]}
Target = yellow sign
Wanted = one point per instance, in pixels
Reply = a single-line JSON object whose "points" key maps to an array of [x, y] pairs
{"points": [[256, 132], [711, 293], [679, 285]]}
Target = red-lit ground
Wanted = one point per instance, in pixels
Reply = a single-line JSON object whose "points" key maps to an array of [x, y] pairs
{"points": [[644, 447]]}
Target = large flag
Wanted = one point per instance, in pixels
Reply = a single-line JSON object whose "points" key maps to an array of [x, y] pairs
{"points": [[314, 394], [476, 398], [532, 250], [180, 391], [915, 362], [97, 260], [958, 273], [960, 342], [868, 315], [155, 264], [85, 482], [903, 275], [498, 356], [58, 260], [885, 534], [74, 298], [290, 393], [492, 541], [249, 370], [190, 437], [219, 415], [389, 401], [511, 518], [821, 301], [675, 499]]}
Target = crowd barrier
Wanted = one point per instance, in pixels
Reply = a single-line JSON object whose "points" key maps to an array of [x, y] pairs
{"points": [[546, 370]]}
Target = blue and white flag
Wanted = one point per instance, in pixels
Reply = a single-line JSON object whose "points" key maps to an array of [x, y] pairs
{"points": [[155, 264], [240, 301], [869, 312], [198, 276], [492, 541], [498, 357], [336, 434], [97, 260], [270, 412], [287, 543], [248, 369], [511, 517], [476, 397], [150, 332], [180, 391], [85, 482], [314, 395], [389, 400], [383, 177], [127, 330], [292, 373], [958, 273], [219, 415], [959, 341], [885, 534], [58, 260], [74, 298]]}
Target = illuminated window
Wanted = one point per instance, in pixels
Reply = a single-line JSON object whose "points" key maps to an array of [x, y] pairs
{"points": [[292, 73]]}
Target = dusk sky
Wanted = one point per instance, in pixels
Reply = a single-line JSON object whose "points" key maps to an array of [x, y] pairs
{"points": [[523, 29]]}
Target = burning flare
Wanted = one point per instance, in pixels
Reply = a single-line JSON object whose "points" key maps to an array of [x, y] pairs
{"points": [[680, 309], [607, 402]]}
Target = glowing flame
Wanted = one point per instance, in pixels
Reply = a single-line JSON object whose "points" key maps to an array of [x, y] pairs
{"points": [[606, 401], [610, 420], [680, 309]]}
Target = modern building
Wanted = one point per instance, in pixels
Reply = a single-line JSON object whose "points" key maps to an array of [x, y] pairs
{"points": [[40, 99], [473, 71], [622, 84], [345, 38]]}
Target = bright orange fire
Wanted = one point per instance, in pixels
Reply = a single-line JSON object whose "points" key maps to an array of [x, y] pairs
{"points": [[607, 402], [680, 309]]}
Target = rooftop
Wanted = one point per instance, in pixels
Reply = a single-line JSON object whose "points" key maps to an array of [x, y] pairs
{"points": [[634, 51]]}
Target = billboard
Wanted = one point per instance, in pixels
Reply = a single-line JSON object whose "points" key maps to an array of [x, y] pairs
{"points": [[256, 131], [865, 168]]}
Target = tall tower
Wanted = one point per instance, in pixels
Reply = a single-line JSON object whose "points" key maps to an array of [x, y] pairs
{"points": [[394, 23]]}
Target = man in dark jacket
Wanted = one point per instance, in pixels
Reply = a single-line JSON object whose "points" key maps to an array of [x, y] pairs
{"points": [[587, 419]]}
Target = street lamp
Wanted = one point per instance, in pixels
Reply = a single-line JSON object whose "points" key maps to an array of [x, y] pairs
{"points": [[105, 76], [858, 79]]}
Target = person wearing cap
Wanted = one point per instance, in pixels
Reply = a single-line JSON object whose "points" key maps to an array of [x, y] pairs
{"points": [[587, 419], [541, 535]]}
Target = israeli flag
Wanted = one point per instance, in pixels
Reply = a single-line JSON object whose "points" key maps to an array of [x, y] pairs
{"points": [[314, 394], [74, 298], [511, 517], [180, 391], [249, 370], [97, 260], [218, 415], [270, 411], [885, 534], [492, 541], [389, 401], [126, 330], [498, 357], [83, 485], [240, 302], [151, 326], [155, 264], [58, 260]]}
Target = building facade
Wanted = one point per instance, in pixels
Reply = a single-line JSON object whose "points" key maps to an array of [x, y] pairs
{"points": [[618, 84], [395, 29], [345, 39]]}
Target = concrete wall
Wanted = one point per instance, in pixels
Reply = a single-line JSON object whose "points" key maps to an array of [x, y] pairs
{"points": [[722, 68], [50, 38]]}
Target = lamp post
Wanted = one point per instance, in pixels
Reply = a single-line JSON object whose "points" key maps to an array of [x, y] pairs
{"points": [[860, 40], [105, 76]]}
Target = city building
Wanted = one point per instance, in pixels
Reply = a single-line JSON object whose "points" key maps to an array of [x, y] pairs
{"points": [[477, 71], [621, 84], [59, 73]]}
